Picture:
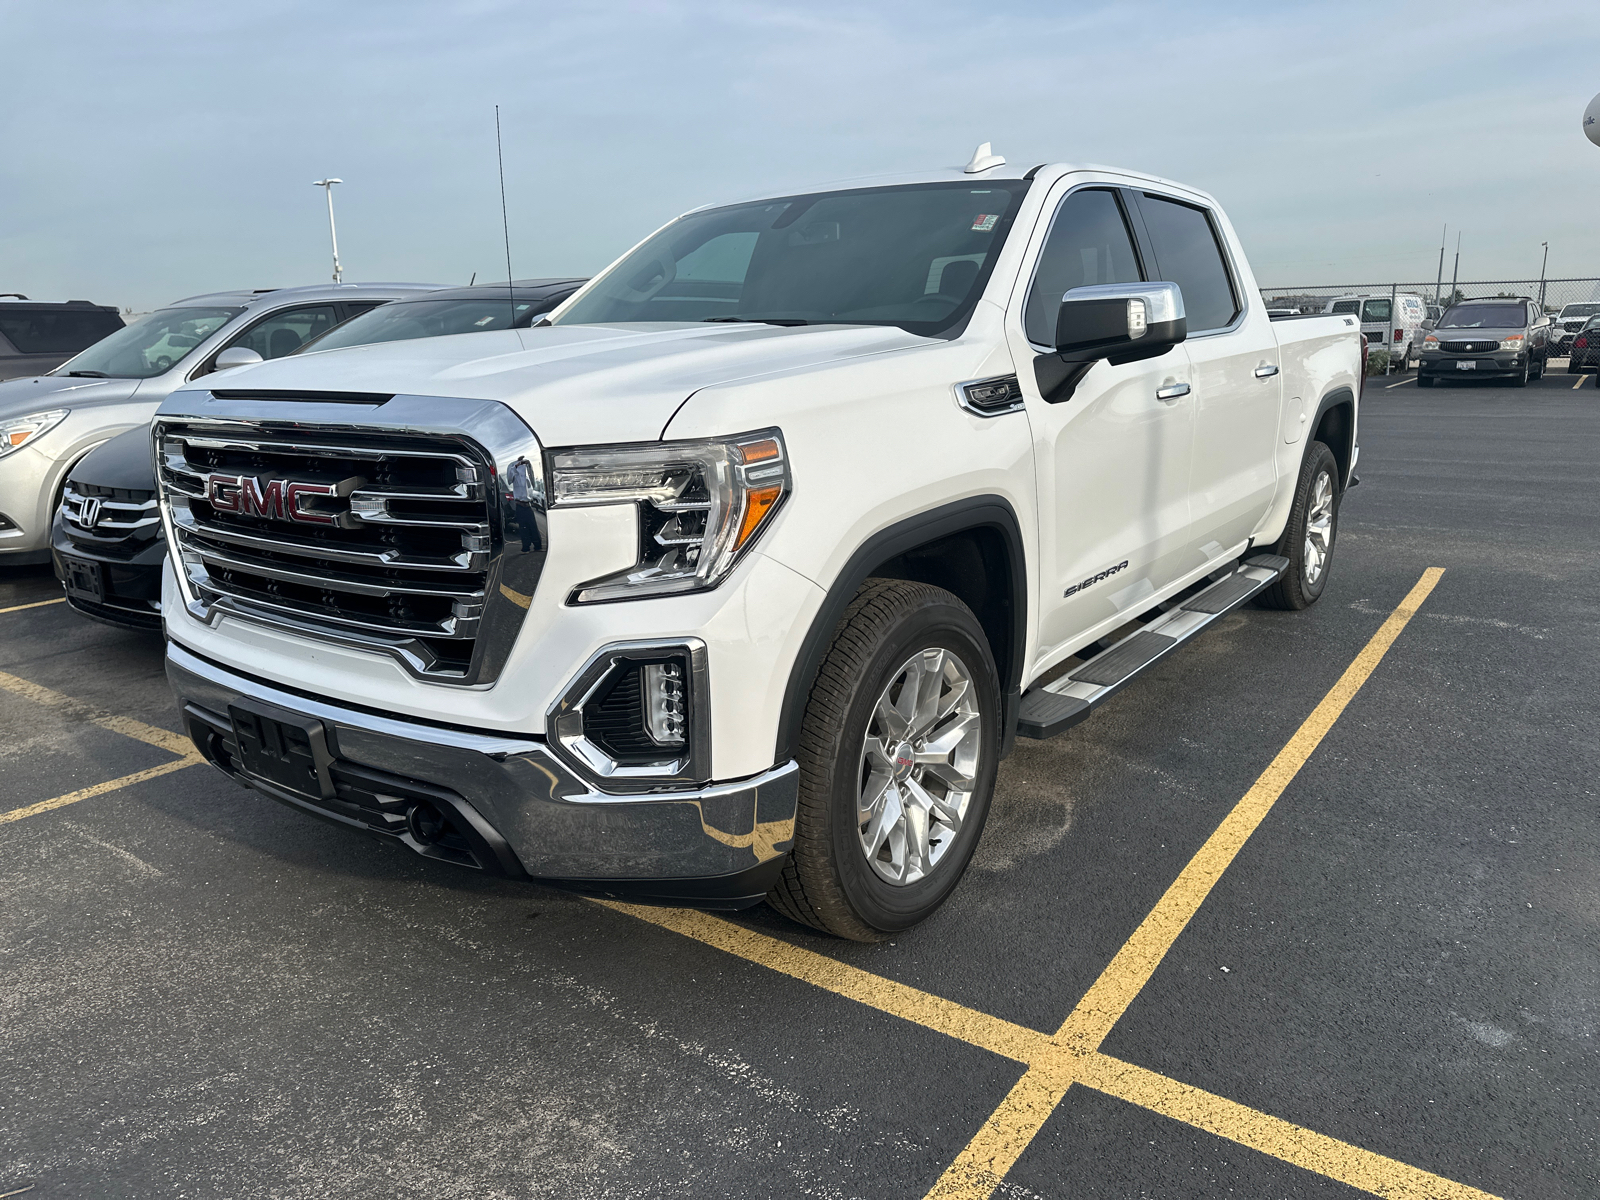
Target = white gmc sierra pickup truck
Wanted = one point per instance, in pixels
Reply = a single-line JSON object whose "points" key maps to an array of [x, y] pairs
{"points": [[736, 578]]}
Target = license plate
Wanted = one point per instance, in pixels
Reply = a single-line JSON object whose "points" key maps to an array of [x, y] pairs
{"points": [[1466, 366], [82, 579], [283, 748]]}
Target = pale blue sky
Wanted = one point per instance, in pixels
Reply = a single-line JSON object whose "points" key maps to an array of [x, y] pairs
{"points": [[154, 150]]}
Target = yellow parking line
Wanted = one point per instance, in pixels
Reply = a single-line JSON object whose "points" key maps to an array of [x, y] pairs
{"points": [[1579, 384], [99, 789], [1283, 1140], [1387, 386], [35, 604], [980, 1167], [163, 738], [897, 999]]}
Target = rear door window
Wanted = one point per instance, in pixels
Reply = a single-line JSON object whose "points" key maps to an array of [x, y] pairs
{"points": [[1088, 244], [1189, 254], [1376, 312], [42, 331]]}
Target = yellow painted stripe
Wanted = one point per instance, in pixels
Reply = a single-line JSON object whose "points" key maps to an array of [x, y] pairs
{"points": [[35, 604], [1399, 383], [1579, 384], [1283, 1140], [165, 739], [99, 789], [908, 1003], [992, 1152]]}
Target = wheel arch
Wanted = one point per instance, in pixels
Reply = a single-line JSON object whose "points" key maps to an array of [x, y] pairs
{"points": [[1335, 427], [972, 548]]}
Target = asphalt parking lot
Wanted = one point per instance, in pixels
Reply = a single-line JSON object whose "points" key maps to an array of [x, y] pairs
{"points": [[1314, 910]]}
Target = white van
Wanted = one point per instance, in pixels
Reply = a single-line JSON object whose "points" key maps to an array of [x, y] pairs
{"points": [[1400, 330]]}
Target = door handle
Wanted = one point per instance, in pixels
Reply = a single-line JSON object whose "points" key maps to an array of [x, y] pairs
{"points": [[1266, 372], [1172, 391]]}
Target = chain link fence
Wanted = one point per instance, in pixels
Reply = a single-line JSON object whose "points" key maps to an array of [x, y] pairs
{"points": [[1554, 294]]}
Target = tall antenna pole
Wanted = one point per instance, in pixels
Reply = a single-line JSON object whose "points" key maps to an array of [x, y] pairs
{"points": [[1545, 262], [327, 186], [1455, 272], [505, 223], [1439, 282]]}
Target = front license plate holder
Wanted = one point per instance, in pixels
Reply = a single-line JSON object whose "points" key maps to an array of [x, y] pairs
{"points": [[1466, 366], [283, 748], [83, 579]]}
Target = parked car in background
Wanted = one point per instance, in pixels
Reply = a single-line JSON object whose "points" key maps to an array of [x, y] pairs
{"points": [[1506, 339], [48, 422], [457, 310], [1568, 323], [1583, 355], [39, 335], [108, 549], [1393, 324]]}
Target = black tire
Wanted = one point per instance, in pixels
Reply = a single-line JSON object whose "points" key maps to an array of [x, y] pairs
{"points": [[1424, 380], [1295, 590], [1539, 374], [828, 882], [1520, 379]]}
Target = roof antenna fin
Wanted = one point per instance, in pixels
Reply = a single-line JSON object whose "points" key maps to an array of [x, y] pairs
{"points": [[983, 158]]}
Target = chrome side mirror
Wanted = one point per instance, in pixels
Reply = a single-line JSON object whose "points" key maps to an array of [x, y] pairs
{"points": [[1120, 322], [236, 356]]}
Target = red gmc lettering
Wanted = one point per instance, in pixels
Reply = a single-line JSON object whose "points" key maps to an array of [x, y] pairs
{"points": [[258, 500], [279, 499], [309, 516]]}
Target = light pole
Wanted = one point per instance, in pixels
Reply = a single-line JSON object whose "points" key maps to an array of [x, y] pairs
{"points": [[327, 186]]}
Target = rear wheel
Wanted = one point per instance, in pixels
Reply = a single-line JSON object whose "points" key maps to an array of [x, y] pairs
{"points": [[898, 752], [1308, 539]]}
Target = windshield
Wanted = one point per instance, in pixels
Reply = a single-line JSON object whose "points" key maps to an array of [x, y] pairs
{"points": [[1485, 316], [916, 257], [429, 318], [1580, 310], [149, 346], [1375, 310]]}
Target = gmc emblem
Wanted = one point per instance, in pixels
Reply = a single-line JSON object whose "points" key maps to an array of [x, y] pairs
{"points": [[277, 499]]}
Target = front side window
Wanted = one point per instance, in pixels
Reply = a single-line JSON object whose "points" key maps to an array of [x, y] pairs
{"points": [[284, 332], [1088, 244], [149, 346], [1189, 255], [1485, 316], [915, 256], [56, 331]]}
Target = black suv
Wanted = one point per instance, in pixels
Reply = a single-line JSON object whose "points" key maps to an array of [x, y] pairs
{"points": [[39, 335], [1505, 338]]}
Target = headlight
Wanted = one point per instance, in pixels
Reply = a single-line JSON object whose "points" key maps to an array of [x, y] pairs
{"points": [[701, 505], [1430, 342], [20, 430], [1514, 342]]}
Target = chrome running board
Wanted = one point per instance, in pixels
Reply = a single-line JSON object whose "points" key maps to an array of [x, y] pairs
{"points": [[1064, 702]]}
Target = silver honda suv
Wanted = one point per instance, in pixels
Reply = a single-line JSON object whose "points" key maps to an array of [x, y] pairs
{"points": [[48, 422], [1505, 338]]}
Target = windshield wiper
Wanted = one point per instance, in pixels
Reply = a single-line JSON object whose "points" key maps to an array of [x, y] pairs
{"points": [[784, 321], [88, 374]]}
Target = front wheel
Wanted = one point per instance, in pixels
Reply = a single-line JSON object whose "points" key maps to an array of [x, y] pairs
{"points": [[898, 752], [1424, 380], [1308, 539], [1520, 379]]}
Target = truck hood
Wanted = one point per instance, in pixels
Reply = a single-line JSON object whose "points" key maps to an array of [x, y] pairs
{"points": [[573, 383], [38, 393]]}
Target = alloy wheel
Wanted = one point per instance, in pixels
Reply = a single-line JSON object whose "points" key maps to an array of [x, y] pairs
{"points": [[1319, 529], [919, 766]]}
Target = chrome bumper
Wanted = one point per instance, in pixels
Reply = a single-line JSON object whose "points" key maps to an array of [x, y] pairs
{"points": [[513, 808]]}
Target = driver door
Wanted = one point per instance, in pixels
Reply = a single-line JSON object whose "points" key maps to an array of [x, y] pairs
{"points": [[1112, 460]]}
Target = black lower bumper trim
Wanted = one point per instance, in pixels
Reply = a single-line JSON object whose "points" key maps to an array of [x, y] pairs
{"points": [[743, 889]]}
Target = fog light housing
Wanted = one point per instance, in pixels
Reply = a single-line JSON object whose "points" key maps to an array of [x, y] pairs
{"points": [[636, 716]]}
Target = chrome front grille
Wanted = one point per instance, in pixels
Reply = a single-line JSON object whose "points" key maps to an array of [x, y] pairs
{"points": [[392, 539], [113, 522], [1484, 346]]}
